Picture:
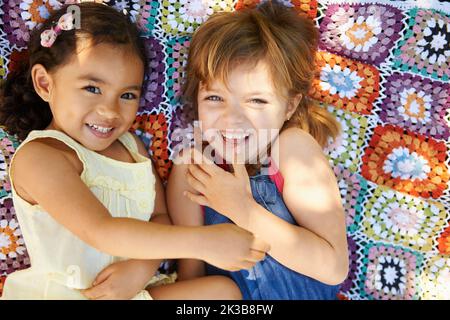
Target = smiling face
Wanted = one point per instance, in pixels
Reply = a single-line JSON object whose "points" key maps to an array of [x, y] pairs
{"points": [[241, 118], [94, 98]]}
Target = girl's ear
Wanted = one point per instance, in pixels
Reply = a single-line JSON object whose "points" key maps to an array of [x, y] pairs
{"points": [[292, 105], [42, 81]]}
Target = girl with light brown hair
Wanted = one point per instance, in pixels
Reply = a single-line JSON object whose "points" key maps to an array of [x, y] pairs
{"points": [[248, 73]]}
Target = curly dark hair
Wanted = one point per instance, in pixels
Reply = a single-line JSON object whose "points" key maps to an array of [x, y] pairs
{"points": [[21, 108]]}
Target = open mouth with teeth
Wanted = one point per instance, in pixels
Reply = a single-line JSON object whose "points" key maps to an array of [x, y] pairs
{"points": [[234, 138], [100, 131]]}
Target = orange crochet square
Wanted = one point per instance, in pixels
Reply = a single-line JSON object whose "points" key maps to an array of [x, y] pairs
{"points": [[307, 6], [156, 125], [406, 162], [2, 283], [345, 83], [444, 242]]}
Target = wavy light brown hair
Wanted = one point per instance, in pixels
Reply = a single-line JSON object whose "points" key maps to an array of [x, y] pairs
{"points": [[282, 37]]}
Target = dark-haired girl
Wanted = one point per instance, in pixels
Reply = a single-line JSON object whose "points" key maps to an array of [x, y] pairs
{"points": [[83, 187]]}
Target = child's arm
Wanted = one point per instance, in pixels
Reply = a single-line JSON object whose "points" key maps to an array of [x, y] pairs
{"points": [[70, 202], [186, 213], [318, 246], [159, 214], [124, 279]]}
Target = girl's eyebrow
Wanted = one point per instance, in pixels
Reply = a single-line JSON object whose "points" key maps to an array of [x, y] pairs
{"points": [[208, 89], [92, 78], [257, 93]]}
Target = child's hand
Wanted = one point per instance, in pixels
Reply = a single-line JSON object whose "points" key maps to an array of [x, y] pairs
{"points": [[122, 280], [233, 248], [228, 193]]}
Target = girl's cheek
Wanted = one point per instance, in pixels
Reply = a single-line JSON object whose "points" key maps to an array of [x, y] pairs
{"points": [[271, 120], [262, 120], [207, 116]]}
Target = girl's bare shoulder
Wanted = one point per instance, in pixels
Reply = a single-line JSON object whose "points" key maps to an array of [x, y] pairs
{"points": [[50, 147], [295, 145], [43, 156], [45, 148]]}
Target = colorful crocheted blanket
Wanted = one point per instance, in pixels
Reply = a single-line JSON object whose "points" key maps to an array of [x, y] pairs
{"points": [[384, 74]]}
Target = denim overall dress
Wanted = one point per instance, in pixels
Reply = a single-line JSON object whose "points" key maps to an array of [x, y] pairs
{"points": [[268, 279]]}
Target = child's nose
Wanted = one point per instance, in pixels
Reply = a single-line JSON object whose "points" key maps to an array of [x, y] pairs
{"points": [[233, 115], [108, 111]]}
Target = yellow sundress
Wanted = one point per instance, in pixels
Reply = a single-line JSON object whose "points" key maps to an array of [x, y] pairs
{"points": [[61, 263]]}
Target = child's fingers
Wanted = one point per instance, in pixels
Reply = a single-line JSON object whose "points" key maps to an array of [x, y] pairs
{"points": [[206, 164], [256, 256], [198, 136], [240, 170], [103, 275], [96, 293], [260, 245], [100, 291], [194, 183], [203, 162], [199, 199], [198, 157], [198, 173]]}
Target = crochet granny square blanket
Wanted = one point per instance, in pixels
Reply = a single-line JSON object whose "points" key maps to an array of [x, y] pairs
{"points": [[384, 74]]}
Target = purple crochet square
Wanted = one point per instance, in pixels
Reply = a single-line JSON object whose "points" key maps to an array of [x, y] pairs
{"points": [[417, 104], [425, 47], [181, 128], [362, 32], [138, 10], [390, 272], [353, 258], [176, 51], [155, 76], [22, 16], [13, 253]]}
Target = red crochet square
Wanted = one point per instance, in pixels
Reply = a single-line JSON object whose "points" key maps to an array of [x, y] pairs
{"points": [[344, 83], [307, 6], [156, 126], [406, 162]]}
